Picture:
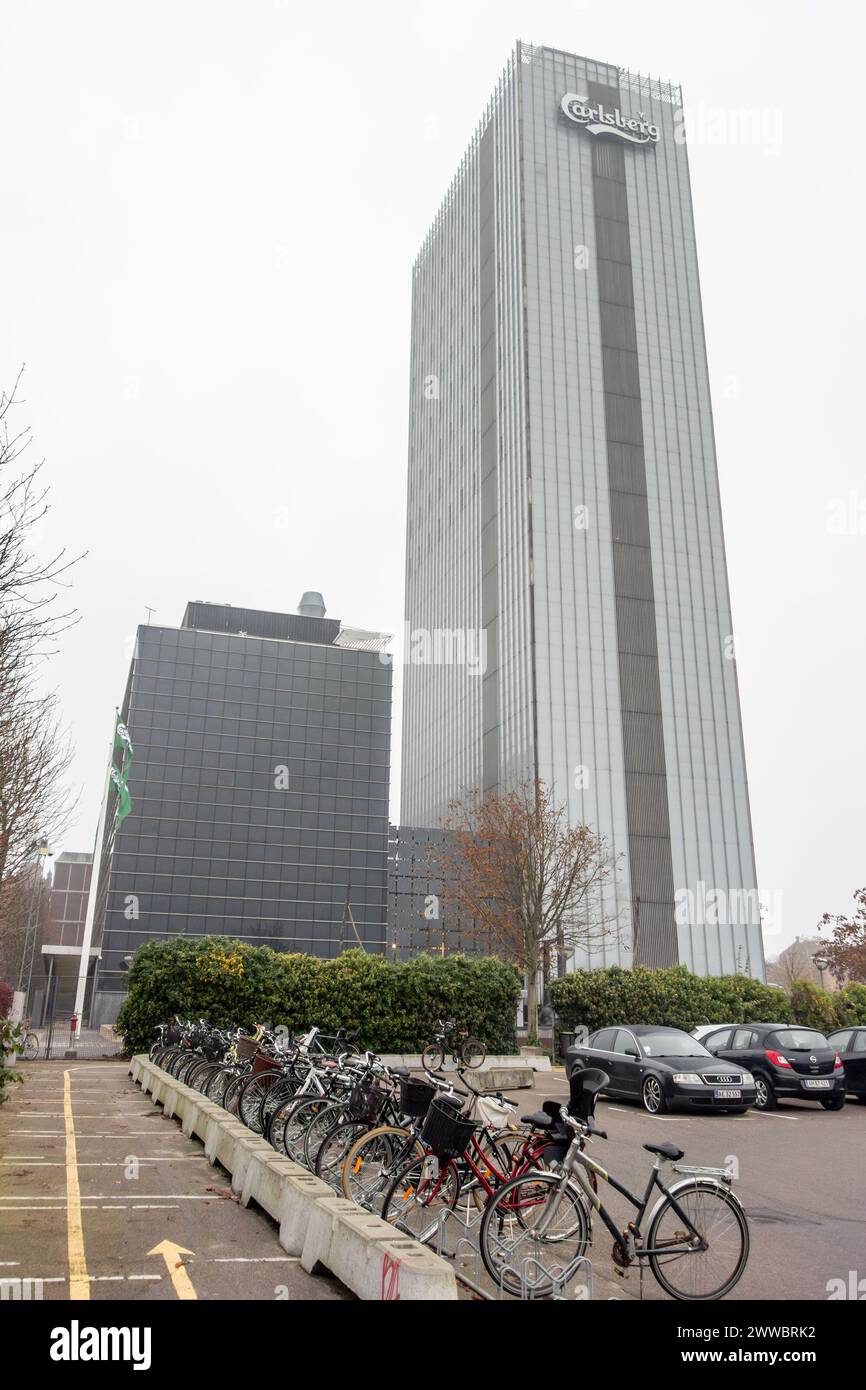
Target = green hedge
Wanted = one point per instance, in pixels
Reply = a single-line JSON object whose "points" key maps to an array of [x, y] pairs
{"points": [[675, 997], [10, 1040], [394, 1004]]}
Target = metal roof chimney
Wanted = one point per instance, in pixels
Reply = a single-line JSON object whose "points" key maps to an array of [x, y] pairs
{"points": [[312, 605]]}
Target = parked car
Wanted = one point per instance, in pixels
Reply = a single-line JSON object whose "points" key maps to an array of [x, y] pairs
{"points": [[785, 1060], [704, 1029], [662, 1068], [850, 1043]]}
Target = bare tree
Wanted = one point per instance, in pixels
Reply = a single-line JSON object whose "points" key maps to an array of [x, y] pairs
{"points": [[796, 962], [34, 754], [34, 761], [527, 879]]}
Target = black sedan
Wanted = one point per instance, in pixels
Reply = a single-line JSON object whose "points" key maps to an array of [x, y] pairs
{"points": [[850, 1043], [663, 1068]]}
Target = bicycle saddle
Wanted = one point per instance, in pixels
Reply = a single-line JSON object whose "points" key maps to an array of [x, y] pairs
{"points": [[545, 1118], [666, 1150]]}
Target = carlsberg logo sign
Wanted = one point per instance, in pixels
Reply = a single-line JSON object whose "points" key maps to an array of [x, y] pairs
{"points": [[599, 120]]}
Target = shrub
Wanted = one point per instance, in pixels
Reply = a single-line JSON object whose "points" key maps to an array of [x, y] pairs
{"points": [[850, 1005], [674, 998], [6, 997], [10, 1040], [394, 1005], [812, 1006]]}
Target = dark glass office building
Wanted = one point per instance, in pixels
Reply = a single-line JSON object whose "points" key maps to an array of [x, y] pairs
{"points": [[259, 788]]}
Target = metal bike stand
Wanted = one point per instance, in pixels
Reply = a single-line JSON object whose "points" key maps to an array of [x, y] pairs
{"points": [[526, 1273]]}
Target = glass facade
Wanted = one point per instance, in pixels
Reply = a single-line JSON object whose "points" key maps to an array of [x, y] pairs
{"points": [[259, 788], [563, 498]]}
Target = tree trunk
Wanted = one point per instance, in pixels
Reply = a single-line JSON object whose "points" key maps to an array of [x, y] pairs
{"points": [[532, 1001]]}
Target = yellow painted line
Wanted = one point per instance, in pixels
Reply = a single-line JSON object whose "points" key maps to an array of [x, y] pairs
{"points": [[79, 1283], [171, 1253]]}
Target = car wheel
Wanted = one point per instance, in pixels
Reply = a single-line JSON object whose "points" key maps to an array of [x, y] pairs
{"points": [[836, 1103], [653, 1096], [765, 1096]]}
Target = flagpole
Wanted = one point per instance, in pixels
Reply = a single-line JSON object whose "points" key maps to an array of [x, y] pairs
{"points": [[94, 886]]}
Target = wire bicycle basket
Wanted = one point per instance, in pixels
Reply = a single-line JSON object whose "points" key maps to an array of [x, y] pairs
{"points": [[415, 1097], [444, 1132]]}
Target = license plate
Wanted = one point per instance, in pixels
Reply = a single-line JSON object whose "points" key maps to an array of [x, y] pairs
{"points": [[727, 1095], [817, 1085]]}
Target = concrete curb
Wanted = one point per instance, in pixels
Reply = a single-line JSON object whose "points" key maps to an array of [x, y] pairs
{"points": [[372, 1259]]}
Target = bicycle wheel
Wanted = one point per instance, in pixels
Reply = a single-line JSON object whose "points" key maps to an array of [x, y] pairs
{"points": [[298, 1121], [421, 1193], [533, 1235], [31, 1047], [232, 1096], [372, 1162], [718, 1218], [323, 1122], [472, 1052], [217, 1084], [281, 1119], [433, 1057], [252, 1094], [201, 1075], [330, 1155], [271, 1101], [185, 1066]]}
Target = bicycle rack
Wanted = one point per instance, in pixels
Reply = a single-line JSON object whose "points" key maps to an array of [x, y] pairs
{"points": [[528, 1274]]}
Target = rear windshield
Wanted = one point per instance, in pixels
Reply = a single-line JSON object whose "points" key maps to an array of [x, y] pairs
{"points": [[800, 1039]]}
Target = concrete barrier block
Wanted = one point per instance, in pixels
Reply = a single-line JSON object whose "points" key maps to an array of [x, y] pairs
{"points": [[205, 1111], [297, 1201], [508, 1078], [265, 1182], [316, 1253], [372, 1259], [172, 1097], [222, 1143], [249, 1153]]}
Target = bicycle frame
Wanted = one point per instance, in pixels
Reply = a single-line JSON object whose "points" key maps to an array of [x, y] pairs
{"points": [[577, 1164]]}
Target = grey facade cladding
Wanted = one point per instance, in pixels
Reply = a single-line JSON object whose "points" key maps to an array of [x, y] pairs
{"points": [[654, 935], [216, 842], [566, 344]]}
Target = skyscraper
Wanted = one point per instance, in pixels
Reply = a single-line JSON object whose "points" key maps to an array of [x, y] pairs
{"points": [[564, 517], [259, 788]]}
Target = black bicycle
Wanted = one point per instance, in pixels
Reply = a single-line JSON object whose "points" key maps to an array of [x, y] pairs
{"points": [[536, 1229], [466, 1051]]}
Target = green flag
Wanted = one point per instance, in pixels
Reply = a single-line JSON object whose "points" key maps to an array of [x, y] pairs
{"points": [[122, 744], [124, 800], [120, 774]]}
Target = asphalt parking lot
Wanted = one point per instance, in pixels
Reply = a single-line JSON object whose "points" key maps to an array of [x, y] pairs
{"points": [[102, 1197], [800, 1177]]}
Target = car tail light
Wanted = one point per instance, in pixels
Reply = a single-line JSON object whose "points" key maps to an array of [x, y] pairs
{"points": [[838, 1062], [776, 1058]]}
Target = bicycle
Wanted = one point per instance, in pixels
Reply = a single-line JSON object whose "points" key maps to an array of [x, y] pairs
{"points": [[30, 1047], [536, 1228], [466, 1050]]}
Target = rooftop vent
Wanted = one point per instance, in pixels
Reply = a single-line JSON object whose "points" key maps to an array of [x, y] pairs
{"points": [[312, 605]]}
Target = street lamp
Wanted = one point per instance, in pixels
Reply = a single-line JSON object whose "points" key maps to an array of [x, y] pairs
{"points": [[821, 964]]}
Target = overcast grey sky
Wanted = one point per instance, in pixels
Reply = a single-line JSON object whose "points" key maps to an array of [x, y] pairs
{"points": [[210, 212]]}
